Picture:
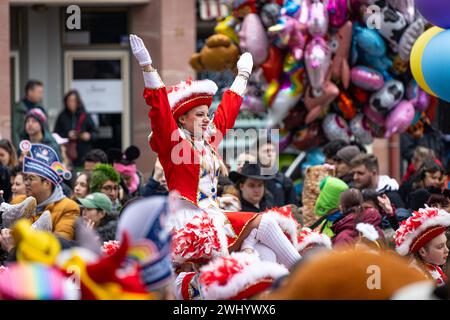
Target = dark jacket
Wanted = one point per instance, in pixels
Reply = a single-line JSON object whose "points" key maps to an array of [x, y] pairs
{"points": [[267, 202], [345, 228], [107, 229], [80, 121], [282, 189], [154, 188], [431, 139]]}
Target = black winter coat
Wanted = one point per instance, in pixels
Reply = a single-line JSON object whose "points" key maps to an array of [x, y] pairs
{"points": [[80, 121]]}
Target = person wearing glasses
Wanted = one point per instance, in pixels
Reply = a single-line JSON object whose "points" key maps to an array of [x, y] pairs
{"points": [[106, 180], [46, 201]]}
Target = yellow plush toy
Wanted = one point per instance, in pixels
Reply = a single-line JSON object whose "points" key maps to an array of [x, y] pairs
{"points": [[33, 245], [218, 54], [227, 27]]}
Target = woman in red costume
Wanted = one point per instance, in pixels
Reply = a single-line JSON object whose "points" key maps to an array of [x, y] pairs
{"points": [[186, 141]]}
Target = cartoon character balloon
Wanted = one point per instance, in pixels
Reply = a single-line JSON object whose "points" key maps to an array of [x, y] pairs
{"points": [[388, 97], [318, 19], [290, 34], [406, 7], [317, 61]]}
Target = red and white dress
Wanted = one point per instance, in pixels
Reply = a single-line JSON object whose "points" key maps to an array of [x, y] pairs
{"points": [[437, 274], [192, 166]]}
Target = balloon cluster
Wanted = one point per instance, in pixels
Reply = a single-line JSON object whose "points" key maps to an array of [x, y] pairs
{"points": [[330, 69], [430, 56]]}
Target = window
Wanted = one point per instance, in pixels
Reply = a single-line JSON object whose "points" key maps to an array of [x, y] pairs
{"points": [[99, 26]]}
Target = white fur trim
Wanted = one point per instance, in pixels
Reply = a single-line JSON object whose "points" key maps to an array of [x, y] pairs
{"points": [[368, 231], [422, 290], [184, 90], [286, 224], [314, 238], [254, 270], [442, 219]]}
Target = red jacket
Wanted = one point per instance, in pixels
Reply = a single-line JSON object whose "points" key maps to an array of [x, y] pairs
{"points": [[180, 161], [345, 228]]}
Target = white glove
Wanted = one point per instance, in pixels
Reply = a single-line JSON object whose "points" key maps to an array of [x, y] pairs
{"points": [[140, 51], [245, 64]]}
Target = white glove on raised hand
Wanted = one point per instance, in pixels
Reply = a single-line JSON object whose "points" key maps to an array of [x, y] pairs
{"points": [[245, 64], [139, 50]]}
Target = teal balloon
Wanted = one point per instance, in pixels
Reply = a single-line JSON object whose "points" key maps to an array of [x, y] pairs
{"points": [[436, 65]]}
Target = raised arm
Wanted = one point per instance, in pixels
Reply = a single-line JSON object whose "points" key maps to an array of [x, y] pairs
{"points": [[155, 95], [228, 109]]}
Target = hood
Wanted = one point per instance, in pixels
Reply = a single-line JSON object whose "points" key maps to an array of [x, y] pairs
{"points": [[386, 183]]}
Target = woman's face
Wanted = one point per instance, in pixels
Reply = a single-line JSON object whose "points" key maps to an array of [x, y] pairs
{"points": [[18, 186], [5, 157], [196, 120], [435, 251], [252, 190], [432, 179], [94, 215], [81, 188], [72, 103]]}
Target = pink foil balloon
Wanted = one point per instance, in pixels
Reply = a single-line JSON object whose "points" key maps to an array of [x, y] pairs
{"points": [[290, 33], [376, 117], [317, 60], [253, 38], [367, 78], [318, 19], [419, 98], [338, 12], [399, 119]]}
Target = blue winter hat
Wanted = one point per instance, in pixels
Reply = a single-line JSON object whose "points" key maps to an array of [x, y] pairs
{"points": [[43, 161], [146, 223]]}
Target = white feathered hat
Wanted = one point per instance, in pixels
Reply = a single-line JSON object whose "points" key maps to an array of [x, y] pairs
{"points": [[190, 94], [237, 276], [423, 226]]}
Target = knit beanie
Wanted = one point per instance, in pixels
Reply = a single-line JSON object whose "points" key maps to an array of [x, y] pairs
{"points": [[101, 174], [330, 191], [38, 115]]}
